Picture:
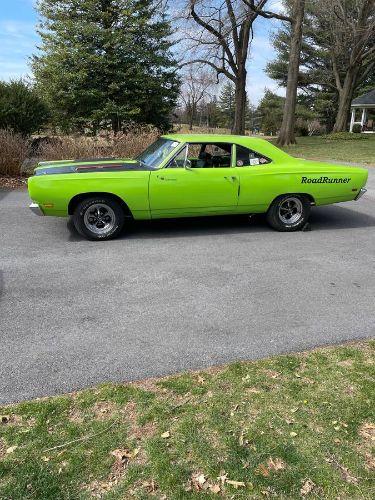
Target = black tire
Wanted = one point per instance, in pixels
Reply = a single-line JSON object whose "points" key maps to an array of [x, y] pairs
{"points": [[289, 212], [99, 218]]}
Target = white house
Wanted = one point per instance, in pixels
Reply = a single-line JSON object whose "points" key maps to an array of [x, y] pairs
{"points": [[363, 112]]}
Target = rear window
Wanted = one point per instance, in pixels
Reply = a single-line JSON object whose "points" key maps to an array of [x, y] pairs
{"points": [[248, 158]]}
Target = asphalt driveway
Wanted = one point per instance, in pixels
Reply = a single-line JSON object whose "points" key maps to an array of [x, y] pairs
{"points": [[175, 295]]}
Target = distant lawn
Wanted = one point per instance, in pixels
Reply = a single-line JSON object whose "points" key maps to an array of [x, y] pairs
{"points": [[288, 427], [319, 148]]}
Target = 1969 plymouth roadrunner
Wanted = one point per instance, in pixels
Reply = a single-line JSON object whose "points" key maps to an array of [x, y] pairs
{"points": [[190, 175]]}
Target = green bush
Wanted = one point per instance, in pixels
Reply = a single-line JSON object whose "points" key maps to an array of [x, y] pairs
{"points": [[357, 128], [21, 108]]}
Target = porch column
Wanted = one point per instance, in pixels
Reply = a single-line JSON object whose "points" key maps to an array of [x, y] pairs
{"points": [[352, 120], [363, 119]]}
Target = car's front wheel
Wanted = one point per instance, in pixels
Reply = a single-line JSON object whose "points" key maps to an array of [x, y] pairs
{"points": [[289, 212], [99, 218]]}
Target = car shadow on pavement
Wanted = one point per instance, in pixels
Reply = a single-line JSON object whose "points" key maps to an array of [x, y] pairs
{"points": [[195, 226], [1, 284], [322, 218], [339, 217]]}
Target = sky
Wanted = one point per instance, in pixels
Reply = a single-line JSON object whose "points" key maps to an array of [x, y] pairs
{"points": [[18, 41]]}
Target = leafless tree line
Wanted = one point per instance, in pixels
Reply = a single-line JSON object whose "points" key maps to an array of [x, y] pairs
{"points": [[218, 35]]}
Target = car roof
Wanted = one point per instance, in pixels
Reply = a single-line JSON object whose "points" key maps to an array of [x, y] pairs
{"points": [[259, 145]]}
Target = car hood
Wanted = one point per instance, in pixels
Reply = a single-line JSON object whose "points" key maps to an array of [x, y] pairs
{"points": [[86, 165]]}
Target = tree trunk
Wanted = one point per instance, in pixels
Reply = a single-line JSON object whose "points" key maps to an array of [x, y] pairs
{"points": [[286, 135], [345, 99], [240, 103], [191, 121]]}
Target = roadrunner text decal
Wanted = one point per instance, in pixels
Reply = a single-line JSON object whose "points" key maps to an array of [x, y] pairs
{"points": [[325, 180]]}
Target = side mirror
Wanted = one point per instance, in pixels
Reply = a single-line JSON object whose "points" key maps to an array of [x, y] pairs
{"points": [[188, 164]]}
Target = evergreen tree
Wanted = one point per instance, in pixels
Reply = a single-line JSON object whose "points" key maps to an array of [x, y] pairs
{"points": [[227, 104], [103, 63], [270, 114], [21, 108]]}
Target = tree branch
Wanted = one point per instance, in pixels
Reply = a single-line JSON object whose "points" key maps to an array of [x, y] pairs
{"points": [[218, 70], [336, 73], [214, 32], [266, 13], [233, 23]]}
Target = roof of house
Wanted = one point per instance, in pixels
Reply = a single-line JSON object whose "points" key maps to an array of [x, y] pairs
{"points": [[365, 99]]}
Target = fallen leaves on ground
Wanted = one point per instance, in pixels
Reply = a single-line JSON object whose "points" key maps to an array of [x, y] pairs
{"points": [[272, 373], [307, 487], [150, 486], [2, 448], [344, 471], [11, 449], [367, 431], [166, 435], [123, 456], [199, 481], [262, 470], [12, 182], [370, 461], [236, 484], [275, 464]]}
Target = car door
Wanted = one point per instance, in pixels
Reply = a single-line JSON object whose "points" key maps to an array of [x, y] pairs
{"points": [[193, 185], [252, 170]]}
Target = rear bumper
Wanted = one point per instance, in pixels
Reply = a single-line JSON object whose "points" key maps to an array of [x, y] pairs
{"points": [[35, 208], [361, 193]]}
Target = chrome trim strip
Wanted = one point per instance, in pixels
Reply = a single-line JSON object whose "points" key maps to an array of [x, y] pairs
{"points": [[361, 193], [35, 208]]}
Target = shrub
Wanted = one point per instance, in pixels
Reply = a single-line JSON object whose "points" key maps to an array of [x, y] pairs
{"points": [[21, 108], [122, 145], [357, 128], [302, 127], [316, 128], [14, 148], [13, 151]]}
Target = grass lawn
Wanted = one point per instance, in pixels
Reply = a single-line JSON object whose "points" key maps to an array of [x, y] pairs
{"points": [[319, 148], [291, 426]]}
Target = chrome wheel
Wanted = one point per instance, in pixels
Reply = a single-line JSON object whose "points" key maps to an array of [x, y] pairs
{"points": [[290, 210], [99, 218]]}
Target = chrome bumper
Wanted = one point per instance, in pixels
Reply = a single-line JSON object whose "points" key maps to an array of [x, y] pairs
{"points": [[361, 193], [35, 208]]}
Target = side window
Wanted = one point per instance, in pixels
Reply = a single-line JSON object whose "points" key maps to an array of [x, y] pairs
{"points": [[179, 160], [203, 155], [246, 157], [219, 155], [210, 155]]}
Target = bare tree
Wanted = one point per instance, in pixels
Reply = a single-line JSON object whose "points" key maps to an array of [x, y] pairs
{"points": [[194, 89], [222, 42], [286, 134], [349, 28]]}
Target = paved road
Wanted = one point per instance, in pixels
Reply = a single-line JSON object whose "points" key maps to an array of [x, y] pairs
{"points": [[175, 295]]}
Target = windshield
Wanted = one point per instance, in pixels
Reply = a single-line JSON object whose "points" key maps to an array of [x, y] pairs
{"points": [[157, 152]]}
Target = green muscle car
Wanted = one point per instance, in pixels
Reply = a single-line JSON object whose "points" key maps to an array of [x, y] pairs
{"points": [[187, 176]]}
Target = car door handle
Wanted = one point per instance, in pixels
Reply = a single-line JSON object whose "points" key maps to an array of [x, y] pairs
{"points": [[230, 178]]}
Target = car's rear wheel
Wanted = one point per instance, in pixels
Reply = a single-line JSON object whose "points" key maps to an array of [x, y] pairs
{"points": [[289, 212], [99, 218]]}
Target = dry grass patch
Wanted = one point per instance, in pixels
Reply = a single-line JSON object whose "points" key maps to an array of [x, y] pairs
{"points": [[123, 145]]}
